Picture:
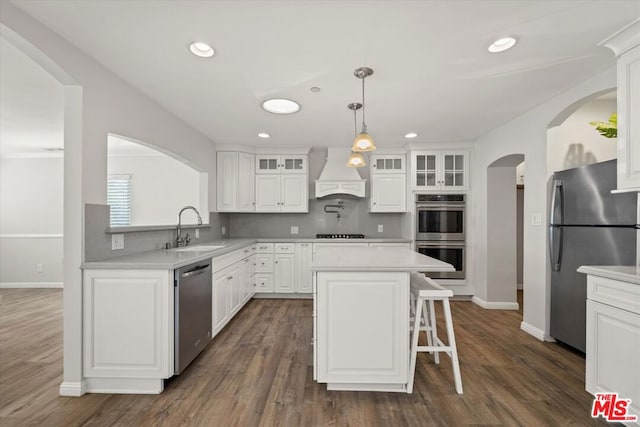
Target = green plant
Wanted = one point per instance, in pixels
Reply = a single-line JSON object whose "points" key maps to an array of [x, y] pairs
{"points": [[608, 130]]}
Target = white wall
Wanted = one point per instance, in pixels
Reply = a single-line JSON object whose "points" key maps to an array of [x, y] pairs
{"points": [[501, 258], [160, 187], [31, 196], [576, 143], [527, 135], [97, 102]]}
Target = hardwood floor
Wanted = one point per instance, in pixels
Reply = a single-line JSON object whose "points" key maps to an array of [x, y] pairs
{"points": [[258, 371]]}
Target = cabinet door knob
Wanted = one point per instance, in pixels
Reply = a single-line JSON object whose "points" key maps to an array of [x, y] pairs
{"points": [[276, 262]]}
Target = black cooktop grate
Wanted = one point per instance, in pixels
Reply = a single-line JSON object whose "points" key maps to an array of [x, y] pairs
{"points": [[339, 236]]}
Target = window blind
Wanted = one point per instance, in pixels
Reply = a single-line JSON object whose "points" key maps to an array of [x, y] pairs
{"points": [[119, 199]]}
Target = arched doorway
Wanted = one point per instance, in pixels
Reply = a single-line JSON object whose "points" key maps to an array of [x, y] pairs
{"points": [[502, 232]]}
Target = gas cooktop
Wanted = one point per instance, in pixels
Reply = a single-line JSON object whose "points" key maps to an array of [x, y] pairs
{"points": [[339, 236]]}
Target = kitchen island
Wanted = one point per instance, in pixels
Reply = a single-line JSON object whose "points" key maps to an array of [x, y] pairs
{"points": [[361, 316]]}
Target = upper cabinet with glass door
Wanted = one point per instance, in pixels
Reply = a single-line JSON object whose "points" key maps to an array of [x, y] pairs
{"points": [[440, 170], [281, 164]]}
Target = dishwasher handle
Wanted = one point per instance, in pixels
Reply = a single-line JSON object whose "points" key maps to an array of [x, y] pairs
{"points": [[200, 269]]}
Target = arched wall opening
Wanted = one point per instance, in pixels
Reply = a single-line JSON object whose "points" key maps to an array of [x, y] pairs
{"points": [[502, 239]]}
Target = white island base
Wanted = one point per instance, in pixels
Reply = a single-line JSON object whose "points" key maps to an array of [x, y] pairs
{"points": [[361, 317]]}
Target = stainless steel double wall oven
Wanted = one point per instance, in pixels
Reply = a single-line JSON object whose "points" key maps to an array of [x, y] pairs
{"points": [[440, 230]]}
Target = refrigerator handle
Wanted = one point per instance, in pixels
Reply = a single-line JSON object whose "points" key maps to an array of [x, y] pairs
{"points": [[556, 257]]}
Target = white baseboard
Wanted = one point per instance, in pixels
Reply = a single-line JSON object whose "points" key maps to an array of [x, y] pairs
{"points": [[73, 389], [495, 305], [125, 385], [30, 285], [537, 333]]}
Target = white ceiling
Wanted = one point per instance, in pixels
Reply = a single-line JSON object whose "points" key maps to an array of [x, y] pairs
{"points": [[433, 74]]}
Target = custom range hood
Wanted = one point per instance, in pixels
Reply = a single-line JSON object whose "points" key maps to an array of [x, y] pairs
{"points": [[337, 178]]}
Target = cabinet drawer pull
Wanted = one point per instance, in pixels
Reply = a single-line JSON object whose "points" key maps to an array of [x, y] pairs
{"points": [[230, 277]]}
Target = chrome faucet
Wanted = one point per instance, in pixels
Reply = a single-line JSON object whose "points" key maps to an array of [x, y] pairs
{"points": [[184, 241]]}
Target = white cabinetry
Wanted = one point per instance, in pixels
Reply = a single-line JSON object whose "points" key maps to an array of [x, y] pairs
{"points": [[235, 182], [388, 184], [626, 45], [361, 326], [613, 339], [303, 263], [232, 286], [282, 184], [283, 268], [439, 170], [132, 310]]}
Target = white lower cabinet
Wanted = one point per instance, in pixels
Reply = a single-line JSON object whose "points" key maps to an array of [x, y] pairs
{"points": [[219, 305], [232, 286], [278, 268], [361, 326], [132, 310], [304, 253], [613, 339], [284, 273]]}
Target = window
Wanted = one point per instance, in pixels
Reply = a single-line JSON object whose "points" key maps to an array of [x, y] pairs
{"points": [[119, 199]]}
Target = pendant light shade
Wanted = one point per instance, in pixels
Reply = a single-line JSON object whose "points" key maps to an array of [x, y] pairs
{"points": [[356, 160], [363, 141]]}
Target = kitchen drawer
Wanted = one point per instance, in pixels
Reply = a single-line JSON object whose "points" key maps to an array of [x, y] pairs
{"points": [[285, 248], [264, 263], [223, 261], [264, 248], [616, 293], [264, 282]]}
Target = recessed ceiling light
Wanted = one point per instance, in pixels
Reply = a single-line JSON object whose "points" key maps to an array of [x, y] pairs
{"points": [[502, 44], [411, 135], [201, 49], [281, 106], [264, 135], [315, 89]]}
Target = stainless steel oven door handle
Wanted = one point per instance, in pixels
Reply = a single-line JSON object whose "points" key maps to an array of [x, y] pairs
{"points": [[440, 207]]}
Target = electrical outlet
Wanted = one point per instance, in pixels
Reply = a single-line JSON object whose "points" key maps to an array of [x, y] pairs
{"points": [[380, 228], [294, 229], [224, 230], [197, 233], [39, 268], [117, 242]]}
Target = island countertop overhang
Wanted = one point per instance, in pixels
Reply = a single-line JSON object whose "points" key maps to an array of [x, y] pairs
{"points": [[375, 259]]}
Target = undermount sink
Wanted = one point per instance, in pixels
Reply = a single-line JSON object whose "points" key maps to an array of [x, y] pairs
{"points": [[200, 248]]}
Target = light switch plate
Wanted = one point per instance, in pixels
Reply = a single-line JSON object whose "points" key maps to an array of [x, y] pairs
{"points": [[224, 230], [380, 228], [197, 233], [294, 229], [536, 218], [117, 242]]}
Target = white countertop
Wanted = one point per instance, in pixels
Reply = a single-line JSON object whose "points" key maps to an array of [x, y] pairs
{"points": [[625, 273], [171, 258], [375, 259]]}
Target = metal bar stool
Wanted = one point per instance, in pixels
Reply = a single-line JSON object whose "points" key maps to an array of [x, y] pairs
{"points": [[424, 289]]}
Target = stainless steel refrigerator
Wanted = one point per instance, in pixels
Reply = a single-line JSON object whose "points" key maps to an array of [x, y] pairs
{"points": [[588, 226]]}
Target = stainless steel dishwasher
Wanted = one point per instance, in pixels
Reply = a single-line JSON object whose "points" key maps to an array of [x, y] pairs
{"points": [[192, 299]]}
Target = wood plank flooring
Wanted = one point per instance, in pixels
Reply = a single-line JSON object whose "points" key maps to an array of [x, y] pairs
{"points": [[258, 371]]}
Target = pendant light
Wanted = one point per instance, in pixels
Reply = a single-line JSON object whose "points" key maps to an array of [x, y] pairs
{"points": [[355, 159], [363, 141]]}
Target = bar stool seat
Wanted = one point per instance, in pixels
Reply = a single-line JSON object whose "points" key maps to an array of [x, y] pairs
{"points": [[423, 290]]}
